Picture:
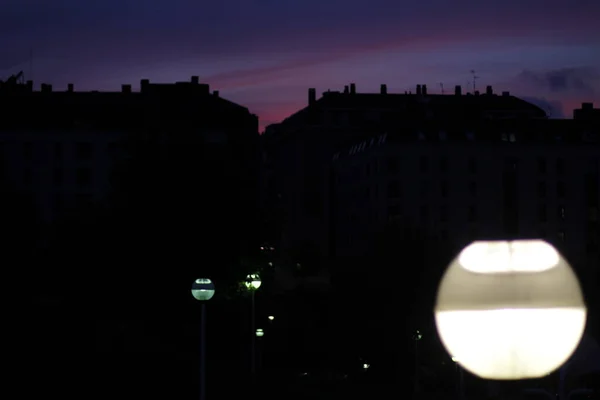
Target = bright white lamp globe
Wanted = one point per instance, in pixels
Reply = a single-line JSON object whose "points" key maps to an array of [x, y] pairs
{"points": [[510, 310]]}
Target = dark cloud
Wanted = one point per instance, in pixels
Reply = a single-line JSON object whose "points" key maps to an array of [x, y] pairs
{"points": [[584, 81], [553, 108]]}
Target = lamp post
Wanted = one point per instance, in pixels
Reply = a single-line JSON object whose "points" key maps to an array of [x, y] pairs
{"points": [[510, 309], [461, 379], [417, 336], [252, 283], [203, 290]]}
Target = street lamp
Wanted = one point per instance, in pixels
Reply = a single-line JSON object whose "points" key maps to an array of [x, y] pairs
{"points": [[252, 283], [510, 309], [271, 317], [203, 290], [260, 333], [416, 337]]}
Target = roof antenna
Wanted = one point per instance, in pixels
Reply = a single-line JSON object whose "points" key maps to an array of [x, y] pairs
{"points": [[475, 77], [442, 86], [31, 63]]}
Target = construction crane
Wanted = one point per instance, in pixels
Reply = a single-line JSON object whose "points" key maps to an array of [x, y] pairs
{"points": [[13, 79]]}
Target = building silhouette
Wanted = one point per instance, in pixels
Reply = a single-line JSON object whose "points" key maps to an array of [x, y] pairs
{"points": [[62, 148], [297, 153], [468, 181]]}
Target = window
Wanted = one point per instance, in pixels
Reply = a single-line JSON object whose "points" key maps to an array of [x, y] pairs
{"points": [[472, 215], [424, 188], [27, 176], [443, 213], [473, 188], [444, 188], [84, 151], [561, 212], [472, 165], [27, 150], [393, 211], [542, 213], [424, 164], [541, 189], [58, 176], [84, 176], [393, 189], [84, 200], [560, 189], [392, 165], [424, 212], [510, 163], [593, 214], [443, 164], [560, 166], [58, 151], [57, 203], [541, 165]]}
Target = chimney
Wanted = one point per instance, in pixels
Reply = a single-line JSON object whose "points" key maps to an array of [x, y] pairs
{"points": [[424, 90], [125, 88], [418, 90], [144, 83], [457, 90], [352, 88], [489, 91], [30, 86], [195, 80], [216, 93], [346, 89], [70, 87], [312, 96], [383, 89], [505, 94]]}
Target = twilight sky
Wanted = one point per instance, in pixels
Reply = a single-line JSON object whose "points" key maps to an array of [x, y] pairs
{"points": [[265, 54]]}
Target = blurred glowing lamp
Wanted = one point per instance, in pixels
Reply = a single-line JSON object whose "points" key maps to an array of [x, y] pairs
{"points": [[510, 310], [260, 333], [253, 281], [203, 289], [271, 317]]}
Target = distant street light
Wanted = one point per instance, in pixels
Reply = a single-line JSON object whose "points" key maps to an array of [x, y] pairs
{"points": [[252, 283], [510, 310], [203, 290], [416, 337], [271, 317], [260, 333]]}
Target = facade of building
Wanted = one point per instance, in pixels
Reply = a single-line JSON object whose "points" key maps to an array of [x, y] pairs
{"points": [[60, 148], [467, 181], [297, 153]]}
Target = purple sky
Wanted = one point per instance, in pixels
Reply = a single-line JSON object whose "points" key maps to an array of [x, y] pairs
{"points": [[265, 54]]}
